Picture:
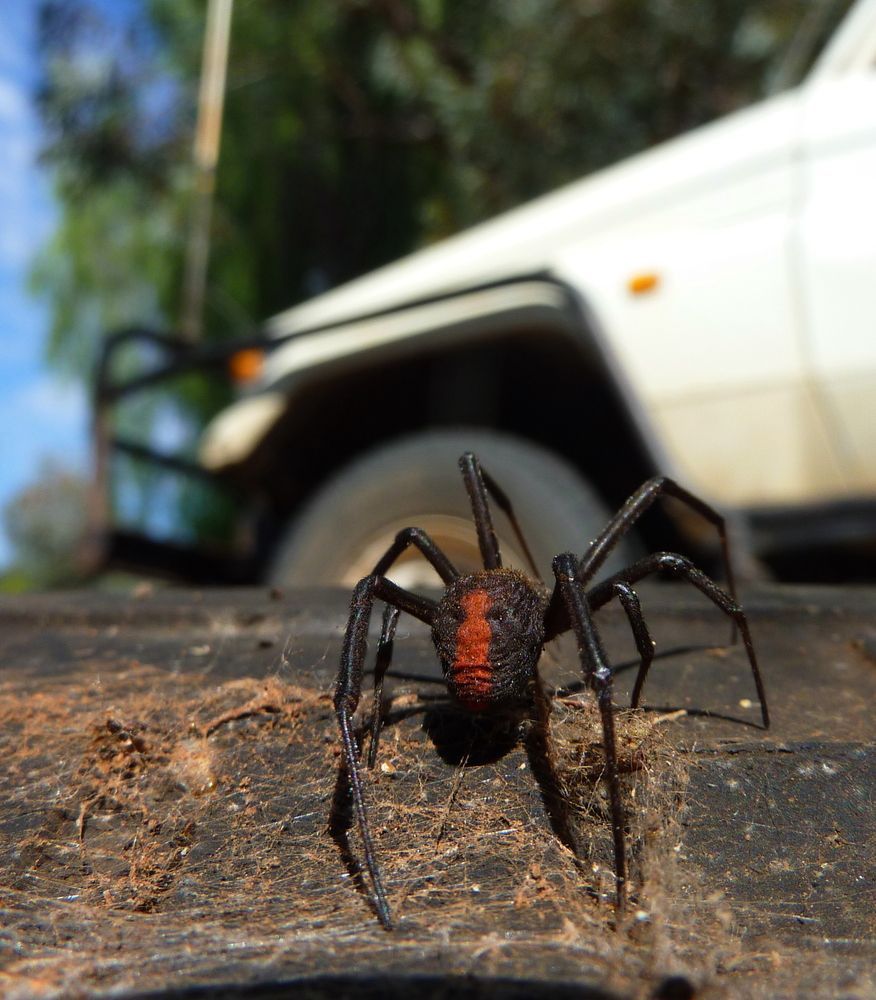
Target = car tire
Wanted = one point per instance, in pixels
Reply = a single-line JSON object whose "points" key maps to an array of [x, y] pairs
{"points": [[415, 481]]}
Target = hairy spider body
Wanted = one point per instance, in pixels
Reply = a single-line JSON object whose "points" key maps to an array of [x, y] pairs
{"points": [[489, 629], [489, 633]]}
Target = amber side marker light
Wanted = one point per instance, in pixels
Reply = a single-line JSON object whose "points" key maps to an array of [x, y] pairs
{"points": [[246, 365], [642, 283]]}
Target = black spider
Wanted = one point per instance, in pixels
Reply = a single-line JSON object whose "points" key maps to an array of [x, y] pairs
{"points": [[489, 629]]}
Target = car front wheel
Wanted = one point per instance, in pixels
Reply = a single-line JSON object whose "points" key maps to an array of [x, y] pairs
{"points": [[415, 481]]}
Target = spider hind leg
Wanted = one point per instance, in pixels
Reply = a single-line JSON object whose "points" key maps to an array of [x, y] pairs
{"points": [[680, 566]]}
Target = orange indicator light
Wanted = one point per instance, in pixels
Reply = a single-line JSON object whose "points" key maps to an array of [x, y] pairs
{"points": [[642, 283], [246, 365]]}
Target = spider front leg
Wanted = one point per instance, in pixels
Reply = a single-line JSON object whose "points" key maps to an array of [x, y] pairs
{"points": [[478, 484], [420, 540], [448, 573], [348, 691], [381, 665], [598, 677]]}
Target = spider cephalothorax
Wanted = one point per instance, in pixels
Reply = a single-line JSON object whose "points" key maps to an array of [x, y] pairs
{"points": [[489, 629], [489, 633]]}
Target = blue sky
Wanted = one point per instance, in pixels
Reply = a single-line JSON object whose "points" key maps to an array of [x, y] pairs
{"points": [[41, 416]]}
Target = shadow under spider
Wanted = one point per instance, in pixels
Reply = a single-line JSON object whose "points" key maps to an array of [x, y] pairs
{"points": [[461, 738], [464, 741], [577, 686], [701, 713]]}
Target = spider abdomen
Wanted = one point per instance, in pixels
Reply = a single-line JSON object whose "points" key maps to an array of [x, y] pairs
{"points": [[488, 632]]}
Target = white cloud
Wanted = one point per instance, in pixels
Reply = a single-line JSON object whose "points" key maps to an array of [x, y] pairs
{"points": [[49, 401], [14, 105]]}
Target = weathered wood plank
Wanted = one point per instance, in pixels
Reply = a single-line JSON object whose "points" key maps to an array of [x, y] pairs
{"points": [[170, 764]]}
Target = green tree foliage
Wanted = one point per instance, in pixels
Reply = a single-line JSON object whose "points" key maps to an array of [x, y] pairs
{"points": [[45, 523], [354, 131], [118, 162]]}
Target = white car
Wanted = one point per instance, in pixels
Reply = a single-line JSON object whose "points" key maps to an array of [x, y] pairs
{"points": [[706, 309]]}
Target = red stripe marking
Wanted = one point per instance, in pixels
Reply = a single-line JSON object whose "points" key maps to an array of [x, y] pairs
{"points": [[471, 669]]}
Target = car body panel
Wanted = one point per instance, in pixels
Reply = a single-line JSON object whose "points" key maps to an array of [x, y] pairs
{"points": [[837, 234], [748, 359]]}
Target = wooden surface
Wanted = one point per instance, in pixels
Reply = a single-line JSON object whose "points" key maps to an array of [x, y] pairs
{"points": [[172, 820]]}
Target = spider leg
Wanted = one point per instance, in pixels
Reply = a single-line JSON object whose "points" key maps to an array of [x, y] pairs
{"points": [[420, 540], [384, 656], [348, 691], [500, 497], [448, 573], [629, 601], [634, 508], [479, 483], [473, 477], [670, 562], [597, 675]]}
